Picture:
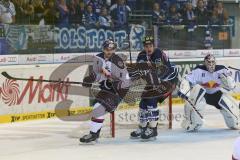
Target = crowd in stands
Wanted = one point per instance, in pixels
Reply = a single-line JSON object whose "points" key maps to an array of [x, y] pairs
{"points": [[110, 13], [200, 12]]}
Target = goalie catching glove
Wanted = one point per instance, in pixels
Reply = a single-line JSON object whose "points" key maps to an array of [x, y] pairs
{"points": [[227, 81]]}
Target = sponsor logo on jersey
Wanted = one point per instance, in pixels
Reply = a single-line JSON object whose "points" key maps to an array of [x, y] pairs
{"points": [[210, 84]]}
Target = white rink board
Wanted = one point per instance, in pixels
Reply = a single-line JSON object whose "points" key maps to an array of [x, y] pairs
{"points": [[29, 93], [27, 96]]}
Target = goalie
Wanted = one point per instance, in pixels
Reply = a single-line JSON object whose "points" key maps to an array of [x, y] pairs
{"points": [[208, 84]]}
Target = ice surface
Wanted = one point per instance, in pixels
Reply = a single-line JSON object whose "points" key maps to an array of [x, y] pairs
{"points": [[49, 139]]}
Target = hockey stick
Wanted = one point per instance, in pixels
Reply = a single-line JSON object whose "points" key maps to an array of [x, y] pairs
{"points": [[184, 96], [234, 68], [5, 74], [195, 109]]}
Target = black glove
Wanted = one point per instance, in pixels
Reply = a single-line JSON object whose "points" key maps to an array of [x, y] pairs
{"points": [[106, 84], [87, 81]]}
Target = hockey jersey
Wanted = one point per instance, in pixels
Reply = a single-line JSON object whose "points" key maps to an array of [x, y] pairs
{"points": [[158, 57], [115, 66], [210, 81]]}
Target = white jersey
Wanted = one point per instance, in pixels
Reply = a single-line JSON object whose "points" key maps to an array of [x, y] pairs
{"points": [[210, 81], [7, 13], [115, 66], [236, 150]]}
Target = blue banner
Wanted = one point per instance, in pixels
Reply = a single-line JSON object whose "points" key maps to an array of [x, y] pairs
{"points": [[82, 39]]}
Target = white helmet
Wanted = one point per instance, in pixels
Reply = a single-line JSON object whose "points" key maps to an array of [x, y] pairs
{"points": [[210, 62]]}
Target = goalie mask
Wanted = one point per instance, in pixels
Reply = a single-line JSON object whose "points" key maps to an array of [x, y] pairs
{"points": [[210, 63]]}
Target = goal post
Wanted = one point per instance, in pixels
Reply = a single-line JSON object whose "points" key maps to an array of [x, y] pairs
{"points": [[165, 108]]}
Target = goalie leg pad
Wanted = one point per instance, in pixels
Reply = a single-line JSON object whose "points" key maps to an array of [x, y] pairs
{"points": [[197, 94], [185, 88], [193, 121], [230, 111]]}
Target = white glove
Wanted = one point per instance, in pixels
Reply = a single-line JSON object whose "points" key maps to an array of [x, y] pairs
{"points": [[227, 81]]}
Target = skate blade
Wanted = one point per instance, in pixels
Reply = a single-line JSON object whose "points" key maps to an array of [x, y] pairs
{"points": [[89, 143], [148, 140], [135, 138]]}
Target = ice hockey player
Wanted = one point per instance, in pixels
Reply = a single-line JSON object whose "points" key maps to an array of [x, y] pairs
{"points": [[149, 62], [208, 84], [110, 72]]}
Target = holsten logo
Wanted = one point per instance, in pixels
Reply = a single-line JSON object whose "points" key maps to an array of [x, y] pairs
{"points": [[39, 92]]}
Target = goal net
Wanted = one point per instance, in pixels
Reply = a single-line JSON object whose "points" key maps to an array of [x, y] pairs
{"points": [[125, 119], [126, 115]]}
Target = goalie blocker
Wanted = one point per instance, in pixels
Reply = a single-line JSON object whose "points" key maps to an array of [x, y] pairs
{"points": [[208, 84]]}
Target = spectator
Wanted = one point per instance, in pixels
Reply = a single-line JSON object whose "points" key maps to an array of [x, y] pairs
{"points": [[214, 19], [158, 15], [219, 15], [96, 5], [63, 20], [174, 17], [132, 4], [189, 16], [82, 6], [120, 12], [183, 9], [24, 11], [194, 3], [104, 20], [7, 12], [208, 41], [211, 4], [51, 14], [38, 11], [75, 12], [201, 13], [90, 17], [222, 13]]}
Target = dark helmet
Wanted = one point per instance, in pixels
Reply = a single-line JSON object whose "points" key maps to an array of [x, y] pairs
{"points": [[148, 40], [109, 44]]}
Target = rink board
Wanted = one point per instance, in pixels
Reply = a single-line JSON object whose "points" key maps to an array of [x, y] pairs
{"points": [[27, 100]]}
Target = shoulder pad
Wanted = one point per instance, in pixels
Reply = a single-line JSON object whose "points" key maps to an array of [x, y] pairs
{"points": [[101, 55], [117, 61], [201, 66], [220, 67]]}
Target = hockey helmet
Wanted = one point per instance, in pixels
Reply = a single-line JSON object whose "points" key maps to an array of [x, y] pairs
{"points": [[109, 45], [148, 40]]}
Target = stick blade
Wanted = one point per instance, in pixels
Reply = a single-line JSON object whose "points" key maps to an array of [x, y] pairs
{"points": [[5, 74]]}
